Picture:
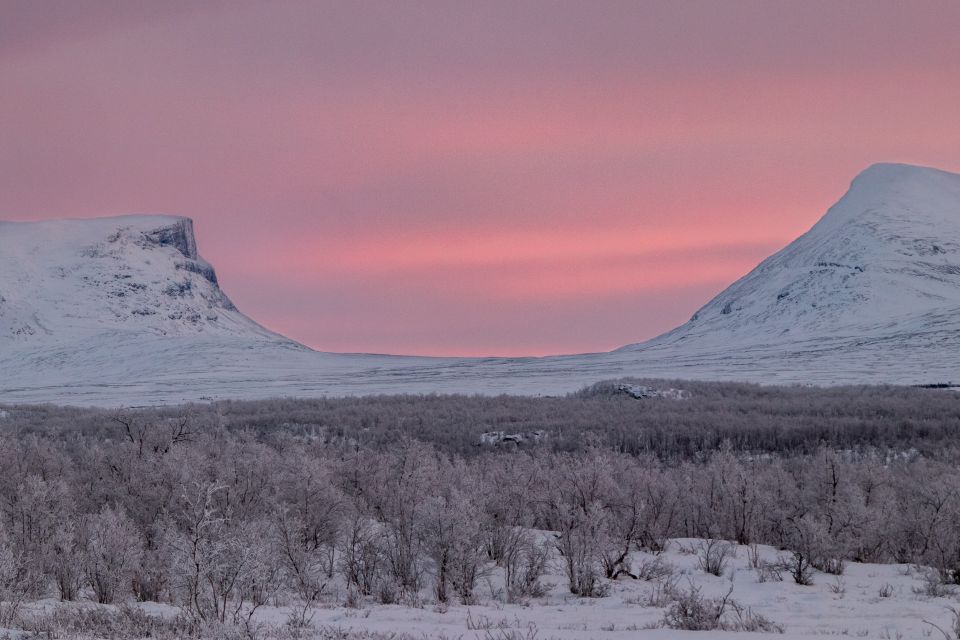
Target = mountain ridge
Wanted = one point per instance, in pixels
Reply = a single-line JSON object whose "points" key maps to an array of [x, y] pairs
{"points": [[870, 294]]}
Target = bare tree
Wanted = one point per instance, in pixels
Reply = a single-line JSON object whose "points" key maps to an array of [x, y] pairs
{"points": [[112, 553], [524, 562], [14, 580], [454, 541], [193, 546], [304, 564], [66, 546], [361, 556]]}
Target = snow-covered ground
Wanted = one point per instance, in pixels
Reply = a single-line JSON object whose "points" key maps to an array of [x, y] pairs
{"points": [[884, 602], [846, 606], [124, 311]]}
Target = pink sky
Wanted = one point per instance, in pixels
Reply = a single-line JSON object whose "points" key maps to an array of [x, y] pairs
{"points": [[471, 178]]}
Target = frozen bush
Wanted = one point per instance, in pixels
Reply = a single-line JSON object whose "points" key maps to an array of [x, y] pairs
{"points": [[691, 611], [388, 591], [806, 540], [663, 593], [750, 621], [714, 555], [524, 563], [932, 584], [655, 568], [797, 564], [770, 571]]}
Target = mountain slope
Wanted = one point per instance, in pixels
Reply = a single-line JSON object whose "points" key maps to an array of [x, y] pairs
{"points": [[121, 311], [885, 258]]}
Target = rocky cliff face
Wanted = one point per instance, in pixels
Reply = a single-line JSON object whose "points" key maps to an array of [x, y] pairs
{"points": [[176, 233]]}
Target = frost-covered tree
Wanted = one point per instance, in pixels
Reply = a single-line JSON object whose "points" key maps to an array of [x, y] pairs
{"points": [[112, 553], [15, 581]]}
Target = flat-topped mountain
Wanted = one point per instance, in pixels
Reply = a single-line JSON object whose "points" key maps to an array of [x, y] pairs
{"points": [[72, 279], [121, 311]]}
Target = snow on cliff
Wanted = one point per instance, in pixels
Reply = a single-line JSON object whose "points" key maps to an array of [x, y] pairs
{"points": [[116, 311]]}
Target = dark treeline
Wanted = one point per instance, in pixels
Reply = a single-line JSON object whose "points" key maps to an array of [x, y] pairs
{"points": [[745, 418]]}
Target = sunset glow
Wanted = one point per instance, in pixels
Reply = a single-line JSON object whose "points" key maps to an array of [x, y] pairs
{"points": [[471, 178]]}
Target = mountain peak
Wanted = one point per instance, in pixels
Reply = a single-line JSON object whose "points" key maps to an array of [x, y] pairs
{"points": [[887, 252], [892, 171], [928, 195], [905, 180]]}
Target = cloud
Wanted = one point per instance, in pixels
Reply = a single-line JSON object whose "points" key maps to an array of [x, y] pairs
{"points": [[377, 173]]}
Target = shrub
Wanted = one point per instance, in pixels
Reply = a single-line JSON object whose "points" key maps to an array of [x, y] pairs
{"points": [[653, 569], [798, 565], [524, 564], [693, 612], [690, 611], [713, 555], [770, 571], [933, 585]]}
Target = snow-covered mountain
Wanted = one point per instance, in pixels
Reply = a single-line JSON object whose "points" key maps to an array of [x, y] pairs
{"points": [[66, 280], [124, 311], [884, 260], [871, 292]]}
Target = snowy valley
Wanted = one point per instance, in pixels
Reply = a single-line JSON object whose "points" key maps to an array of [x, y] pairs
{"points": [[124, 311]]}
